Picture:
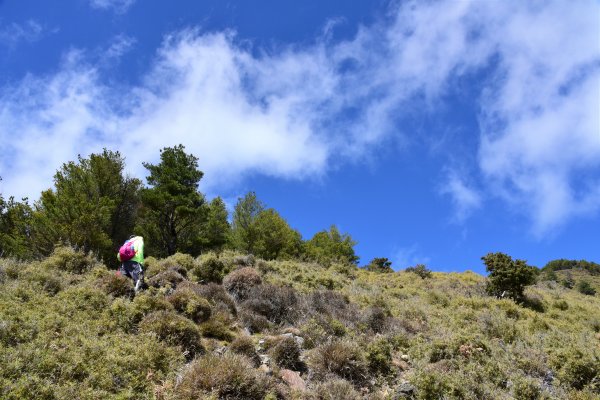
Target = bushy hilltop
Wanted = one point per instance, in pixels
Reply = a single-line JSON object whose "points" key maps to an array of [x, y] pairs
{"points": [[231, 326]]}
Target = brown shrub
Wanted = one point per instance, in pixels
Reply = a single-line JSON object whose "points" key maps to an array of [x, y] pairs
{"points": [[255, 323], [116, 285], [341, 358], [217, 295], [169, 279], [229, 376], [286, 354], [190, 304], [277, 304], [239, 282], [337, 389], [244, 345], [174, 330], [218, 327]]}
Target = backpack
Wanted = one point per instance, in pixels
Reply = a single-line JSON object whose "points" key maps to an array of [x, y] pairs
{"points": [[127, 252]]}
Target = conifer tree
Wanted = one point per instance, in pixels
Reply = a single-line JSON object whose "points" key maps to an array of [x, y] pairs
{"points": [[172, 207]]}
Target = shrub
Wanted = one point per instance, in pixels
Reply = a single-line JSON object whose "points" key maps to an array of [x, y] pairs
{"points": [[431, 385], [66, 258], [507, 277], [244, 345], [341, 358], [420, 270], [217, 295], [174, 330], [116, 285], [376, 319], [286, 354], [218, 327], [561, 305], [239, 282], [527, 389], [337, 389], [277, 304], [210, 269], [586, 288], [255, 323], [51, 282], [380, 265], [169, 279], [229, 376], [190, 304], [379, 356], [184, 261]]}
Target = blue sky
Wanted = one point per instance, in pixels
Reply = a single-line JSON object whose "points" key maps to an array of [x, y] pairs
{"points": [[432, 132]]}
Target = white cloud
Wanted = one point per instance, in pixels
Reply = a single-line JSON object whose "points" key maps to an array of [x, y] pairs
{"points": [[409, 256], [118, 6], [289, 113], [464, 197], [13, 34]]}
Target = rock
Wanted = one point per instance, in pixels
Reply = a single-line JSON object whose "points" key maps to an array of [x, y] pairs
{"points": [[264, 359], [401, 364], [405, 391], [264, 368], [405, 357], [293, 379]]}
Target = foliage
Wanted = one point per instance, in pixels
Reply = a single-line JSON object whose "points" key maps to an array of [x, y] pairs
{"points": [[274, 237], [564, 264], [244, 234], [327, 247], [174, 330], [421, 270], [229, 376], [286, 354], [172, 208], [341, 358], [15, 223], [584, 287], [507, 277], [189, 303], [239, 282], [215, 231], [378, 264], [210, 269], [93, 206]]}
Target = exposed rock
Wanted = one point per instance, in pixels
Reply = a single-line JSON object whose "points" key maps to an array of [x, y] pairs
{"points": [[405, 391], [292, 379], [405, 357], [264, 368]]}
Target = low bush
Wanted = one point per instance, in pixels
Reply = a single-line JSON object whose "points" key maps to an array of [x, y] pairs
{"points": [[277, 304], [209, 269], [420, 270], [66, 258], [116, 285], [229, 376], [286, 354], [50, 282], [255, 323], [341, 358], [184, 261], [167, 279], [174, 330], [218, 327], [377, 319], [217, 295], [379, 357], [244, 345], [239, 282], [337, 389], [586, 288], [189, 303]]}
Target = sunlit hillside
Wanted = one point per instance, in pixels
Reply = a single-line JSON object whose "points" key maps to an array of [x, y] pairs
{"points": [[236, 327]]}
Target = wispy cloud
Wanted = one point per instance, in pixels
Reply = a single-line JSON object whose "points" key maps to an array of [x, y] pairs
{"points": [[118, 6], [404, 257], [291, 112], [12, 34]]}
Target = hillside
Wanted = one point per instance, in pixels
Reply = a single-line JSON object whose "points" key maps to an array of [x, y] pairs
{"points": [[236, 327]]}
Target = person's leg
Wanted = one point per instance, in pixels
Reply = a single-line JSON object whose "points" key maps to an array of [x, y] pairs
{"points": [[138, 277]]}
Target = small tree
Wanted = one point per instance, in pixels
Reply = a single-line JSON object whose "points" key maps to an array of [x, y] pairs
{"points": [[380, 264], [421, 270], [327, 247], [584, 287], [507, 277]]}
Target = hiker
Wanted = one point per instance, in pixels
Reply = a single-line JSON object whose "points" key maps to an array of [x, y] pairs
{"points": [[131, 256]]}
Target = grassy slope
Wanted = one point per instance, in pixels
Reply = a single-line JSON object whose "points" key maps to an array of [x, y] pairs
{"points": [[70, 329]]}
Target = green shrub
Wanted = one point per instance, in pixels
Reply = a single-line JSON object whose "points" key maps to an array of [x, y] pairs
{"points": [[50, 282], [561, 305], [217, 295], [66, 258], [185, 261], [190, 304], [217, 327], [229, 376], [286, 354], [527, 389], [337, 389], [147, 302], [210, 269], [341, 358], [379, 356], [431, 385], [586, 288], [420, 270], [239, 282], [380, 265], [507, 277], [174, 330]]}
